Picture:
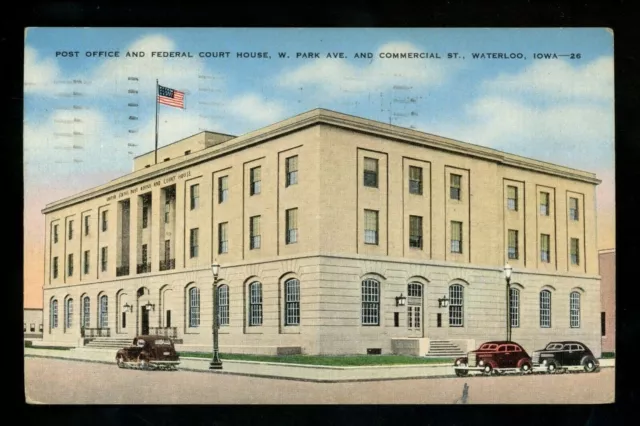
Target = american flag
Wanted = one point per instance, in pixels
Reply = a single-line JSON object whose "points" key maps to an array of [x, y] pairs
{"points": [[170, 97]]}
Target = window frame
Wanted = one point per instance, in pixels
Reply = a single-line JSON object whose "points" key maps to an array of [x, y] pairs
{"points": [[512, 202], [575, 309], [370, 295], [545, 311], [514, 307], [416, 240], [255, 311], [255, 187], [415, 180], [223, 245], [574, 212], [194, 307], [574, 245], [291, 175], [194, 196], [455, 187], [546, 211], [254, 236], [451, 242], [456, 300], [222, 298], [548, 251], [292, 302], [223, 189], [370, 178], [291, 233], [512, 250], [193, 242]]}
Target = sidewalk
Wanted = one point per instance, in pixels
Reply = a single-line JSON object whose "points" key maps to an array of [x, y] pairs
{"points": [[312, 373]]}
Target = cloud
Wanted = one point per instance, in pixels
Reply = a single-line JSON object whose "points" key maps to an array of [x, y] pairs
{"points": [[339, 77], [39, 73], [256, 109], [557, 79]]}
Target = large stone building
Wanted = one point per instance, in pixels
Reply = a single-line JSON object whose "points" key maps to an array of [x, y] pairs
{"points": [[320, 222], [33, 327], [607, 263]]}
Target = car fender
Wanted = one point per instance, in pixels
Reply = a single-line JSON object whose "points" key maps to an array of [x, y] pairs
{"points": [[584, 359], [463, 360], [523, 361]]}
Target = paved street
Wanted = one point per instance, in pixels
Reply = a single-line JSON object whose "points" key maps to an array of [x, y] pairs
{"points": [[53, 381]]}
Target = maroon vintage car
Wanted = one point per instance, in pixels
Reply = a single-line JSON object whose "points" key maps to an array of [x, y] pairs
{"points": [[149, 352], [490, 357]]}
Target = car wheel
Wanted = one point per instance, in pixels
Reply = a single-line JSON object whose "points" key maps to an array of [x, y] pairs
{"points": [[461, 373], [589, 365], [487, 370], [552, 367], [525, 368], [120, 361]]}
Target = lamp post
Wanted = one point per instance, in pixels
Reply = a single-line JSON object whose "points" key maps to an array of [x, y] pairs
{"points": [[507, 276], [216, 362]]}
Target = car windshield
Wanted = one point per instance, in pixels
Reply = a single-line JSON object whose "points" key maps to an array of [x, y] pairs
{"points": [[163, 342], [554, 346], [140, 343], [488, 347]]}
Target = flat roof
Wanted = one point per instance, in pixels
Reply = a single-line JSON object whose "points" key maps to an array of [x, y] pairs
{"points": [[331, 118]]}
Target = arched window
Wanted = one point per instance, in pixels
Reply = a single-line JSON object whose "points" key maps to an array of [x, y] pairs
{"points": [[545, 309], [54, 313], [223, 305], [68, 314], [292, 302], [456, 305], [86, 312], [370, 302], [574, 309], [194, 307], [104, 312], [514, 307], [414, 290], [255, 303]]}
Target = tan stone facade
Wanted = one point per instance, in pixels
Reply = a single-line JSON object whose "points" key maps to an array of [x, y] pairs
{"points": [[33, 326], [335, 216]]}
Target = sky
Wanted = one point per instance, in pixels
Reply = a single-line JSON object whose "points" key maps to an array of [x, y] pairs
{"points": [[87, 113]]}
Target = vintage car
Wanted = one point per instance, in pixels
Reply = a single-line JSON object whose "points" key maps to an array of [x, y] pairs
{"points": [[565, 355], [149, 352], [494, 357]]}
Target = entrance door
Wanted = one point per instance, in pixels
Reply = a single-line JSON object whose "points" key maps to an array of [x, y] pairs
{"points": [[145, 321], [415, 315]]}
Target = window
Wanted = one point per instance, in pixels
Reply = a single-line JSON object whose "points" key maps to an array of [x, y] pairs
{"points": [[254, 179], [455, 187], [145, 256], [145, 215], [54, 314], [86, 225], [292, 302], [68, 314], [167, 209], [371, 172], [223, 189], [86, 312], [40, 328], [292, 226], [55, 267], [456, 237], [167, 252], [124, 320], [55, 233], [255, 304], [194, 307], [603, 324], [545, 309], [195, 196], [291, 168], [370, 302], [371, 227], [574, 309], [24, 328], [223, 305], [104, 312], [105, 259], [70, 265], [544, 203], [86, 262], [415, 231], [456, 305], [187, 152], [512, 198], [193, 246], [415, 180], [414, 290], [168, 318], [104, 220], [223, 243], [254, 232], [573, 209], [513, 244], [514, 306], [575, 251], [32, 327], [545, 250], [70, 229]]}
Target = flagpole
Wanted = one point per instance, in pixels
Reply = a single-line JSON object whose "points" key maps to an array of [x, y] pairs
{"points": [[156, 151]]}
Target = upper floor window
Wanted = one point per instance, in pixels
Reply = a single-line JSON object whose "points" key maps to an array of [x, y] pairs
{"points": [[370, 302], [104, 258], [574, 214], [223, 239], [415, 180], [545, 309], [86, 262], [514, 306], [371, 172], [544, 203], [512, 198], [291, 168], [223, 189], [223, 305], [70, 229], [545, 248], [371, 227], [255, 180], [292, 226], [86, 225], [194, 307], [574, 309], [70, 265], [193, 243], [145, 215], [254, 232], [104, 220], [575, 251], [456, 305], [195, 196], [415, 231], [255, 304], [456, 237], [292, 302], [167, 210], [513, 244], [55, 267], [455, 187], [55, 233]]}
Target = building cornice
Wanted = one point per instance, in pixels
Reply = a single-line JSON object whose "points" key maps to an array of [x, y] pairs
{"points": [[331, 118]]}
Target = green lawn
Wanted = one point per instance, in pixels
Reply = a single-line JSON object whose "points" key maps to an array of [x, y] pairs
{"points": [[56, 348], [347, 360]]}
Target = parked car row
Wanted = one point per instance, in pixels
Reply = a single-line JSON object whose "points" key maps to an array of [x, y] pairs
{"points": [[505, 356]]}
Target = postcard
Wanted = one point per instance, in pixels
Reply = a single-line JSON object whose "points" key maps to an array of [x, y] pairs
{"points": [[319, 216]]}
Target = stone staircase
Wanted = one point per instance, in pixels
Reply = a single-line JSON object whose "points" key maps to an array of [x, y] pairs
{"points": [[443, 349], [109, 343]]}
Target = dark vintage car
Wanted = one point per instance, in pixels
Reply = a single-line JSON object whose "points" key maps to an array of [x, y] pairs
{"points": [[490, 357], [149, 352], [565, 355]]}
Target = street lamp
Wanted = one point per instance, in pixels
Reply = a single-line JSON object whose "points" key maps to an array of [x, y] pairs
{"points": [[507, 277], [216, 362]]}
